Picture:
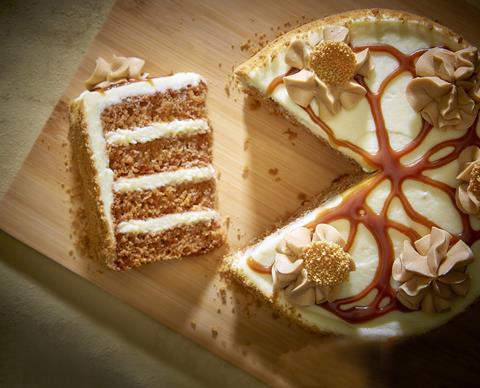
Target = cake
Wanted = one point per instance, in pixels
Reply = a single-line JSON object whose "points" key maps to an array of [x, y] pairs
{"points": [[143, 147], [393, 249]]}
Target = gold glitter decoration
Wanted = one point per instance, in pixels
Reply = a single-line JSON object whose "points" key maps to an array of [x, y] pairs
{"points": [[326, 262], [474, 184], [333, 62]]}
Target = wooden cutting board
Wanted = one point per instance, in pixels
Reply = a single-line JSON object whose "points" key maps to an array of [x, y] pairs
{"points": [[250, 145]]}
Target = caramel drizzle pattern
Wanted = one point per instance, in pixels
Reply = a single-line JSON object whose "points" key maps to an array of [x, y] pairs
{"points": [[386, 161]]}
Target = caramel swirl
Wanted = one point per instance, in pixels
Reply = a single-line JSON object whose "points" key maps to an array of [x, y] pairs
{"points": [[387, 163]]}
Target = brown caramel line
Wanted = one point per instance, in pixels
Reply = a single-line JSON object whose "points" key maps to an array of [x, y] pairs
{"points": [[164, 154], [140, 111], [387, 163], [142, 204], [134, 249]]}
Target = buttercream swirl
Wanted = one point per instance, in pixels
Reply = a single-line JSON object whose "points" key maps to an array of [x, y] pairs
{"points": [[468, 192], [311, 266], [332, 87], [446, 91], [121, 70], [431, 274]]}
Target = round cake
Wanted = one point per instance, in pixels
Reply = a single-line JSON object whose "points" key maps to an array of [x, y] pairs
{"points": [[392, 250]]}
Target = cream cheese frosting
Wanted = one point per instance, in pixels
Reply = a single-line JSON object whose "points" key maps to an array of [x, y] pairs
{"points": [[468, 191], [357, 127], [310, 266], [446, 89], [119, 71], [432, 272], [159, 224], [326, 71], [162, 179], [95, 102], [156, 131]]}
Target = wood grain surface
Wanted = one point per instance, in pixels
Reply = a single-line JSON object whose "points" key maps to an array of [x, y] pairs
{"points": [[187, 295]]}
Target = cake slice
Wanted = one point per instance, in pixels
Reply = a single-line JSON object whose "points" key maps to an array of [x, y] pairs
{"points": [[144, 151], [394, 250]]}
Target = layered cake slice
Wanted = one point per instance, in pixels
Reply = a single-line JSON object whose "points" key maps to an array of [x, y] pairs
{"points": [[144, 152], [397, 252]]}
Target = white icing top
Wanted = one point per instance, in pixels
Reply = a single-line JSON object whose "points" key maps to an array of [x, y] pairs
{"points": [[152, 181]]}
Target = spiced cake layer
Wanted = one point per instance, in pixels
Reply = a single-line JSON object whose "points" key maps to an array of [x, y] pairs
{"points": [[144, 151], [399, 252]]}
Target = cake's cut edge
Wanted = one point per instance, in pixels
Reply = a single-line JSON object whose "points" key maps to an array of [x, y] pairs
{"points": [[187, 240], [277, 109], [101, 244], [231, 274]]}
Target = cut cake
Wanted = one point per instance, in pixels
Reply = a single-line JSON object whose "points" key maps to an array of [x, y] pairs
{"points": [[143, 147], [398, 94]]}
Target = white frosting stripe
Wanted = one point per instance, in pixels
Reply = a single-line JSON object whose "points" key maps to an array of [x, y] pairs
{"points": [[169, 221], [144, 88], [156, 131], [153, 181]]}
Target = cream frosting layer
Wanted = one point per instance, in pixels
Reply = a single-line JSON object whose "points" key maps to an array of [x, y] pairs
{"points": [[95, 102], [169, 178], [365, 255], [156, 131], [356, 125], [169, 221]]}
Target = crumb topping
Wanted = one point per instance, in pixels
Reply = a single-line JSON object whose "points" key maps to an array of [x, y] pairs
{"points": [[474, 185], [327, 264], [333, 62]]}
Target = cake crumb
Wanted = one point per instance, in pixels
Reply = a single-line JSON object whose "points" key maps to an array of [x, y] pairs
{"points": [[227, 90], [223, 295], [292, 135], [219, 64], [245, 46], [246, 144], [214, 333], [227, 222], [193, 325], [219, 311], [273, 171], [302, 197], [245, 173], [253, 103]]}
